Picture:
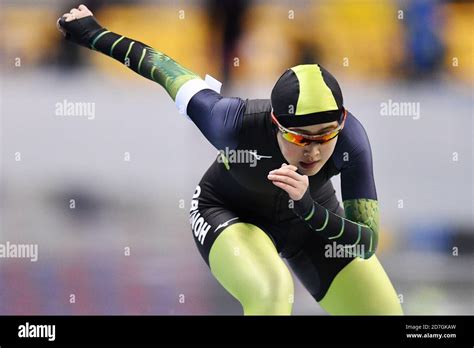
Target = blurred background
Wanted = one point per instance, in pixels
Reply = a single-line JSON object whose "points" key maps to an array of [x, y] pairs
{"points": [[105, 195]]}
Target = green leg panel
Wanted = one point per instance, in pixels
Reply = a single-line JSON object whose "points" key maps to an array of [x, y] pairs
{"points": [[362, 288], [245, 262]]}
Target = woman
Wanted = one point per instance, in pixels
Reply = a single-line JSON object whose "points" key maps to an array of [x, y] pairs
{"points": [[268, 195]]}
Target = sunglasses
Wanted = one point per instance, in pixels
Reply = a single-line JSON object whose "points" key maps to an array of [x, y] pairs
{"points": [[303, 139]]}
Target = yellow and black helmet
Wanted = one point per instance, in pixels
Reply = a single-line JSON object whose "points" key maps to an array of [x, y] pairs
{"points": [[305, 95]]}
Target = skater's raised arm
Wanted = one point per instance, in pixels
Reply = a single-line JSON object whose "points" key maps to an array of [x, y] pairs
{"points": [[218, 118], [81, 27]]}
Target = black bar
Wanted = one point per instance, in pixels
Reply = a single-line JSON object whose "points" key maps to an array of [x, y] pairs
{"points": [[222, 330]]}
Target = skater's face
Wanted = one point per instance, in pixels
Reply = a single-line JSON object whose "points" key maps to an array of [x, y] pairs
{"points": [[309, 159]]}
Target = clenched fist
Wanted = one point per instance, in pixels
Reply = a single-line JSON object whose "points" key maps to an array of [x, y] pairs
{"points": [[79, 26]]}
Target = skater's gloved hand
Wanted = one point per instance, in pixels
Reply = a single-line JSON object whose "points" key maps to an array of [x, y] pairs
{"points": [[79, 26]]}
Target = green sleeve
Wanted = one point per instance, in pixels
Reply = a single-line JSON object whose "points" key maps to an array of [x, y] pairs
{"points": [[357, 232], [365, 212], [144, 60]]}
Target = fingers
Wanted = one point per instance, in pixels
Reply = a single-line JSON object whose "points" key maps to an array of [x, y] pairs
{"points": [[83, 8], [68, 17], [84, 11], [287, 172], [289, 189], [289, 180], [294, 193], [284, 179], [72, 15], [77, 13], [289, 166]]}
